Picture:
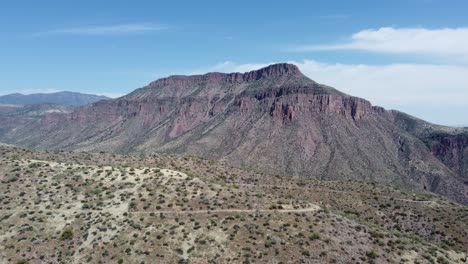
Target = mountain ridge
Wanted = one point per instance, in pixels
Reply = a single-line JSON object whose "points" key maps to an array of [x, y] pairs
{"points": [[273, 70], [274, 119], [64, 98]]}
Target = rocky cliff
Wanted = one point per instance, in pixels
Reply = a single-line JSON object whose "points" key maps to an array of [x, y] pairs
{"points": [[452, 150]]}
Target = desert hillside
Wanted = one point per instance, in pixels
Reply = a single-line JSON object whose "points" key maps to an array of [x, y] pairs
{"points": [[73, 207]]}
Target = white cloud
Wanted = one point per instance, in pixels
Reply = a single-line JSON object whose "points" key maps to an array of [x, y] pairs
{"points": [[394, 84], [447, 42], [118, 29], [437, 93]]}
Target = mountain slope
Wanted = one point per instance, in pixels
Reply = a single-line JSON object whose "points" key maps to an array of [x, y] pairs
{"points": [[63, 98], [450, 145], [78, 207], [274, 119]]}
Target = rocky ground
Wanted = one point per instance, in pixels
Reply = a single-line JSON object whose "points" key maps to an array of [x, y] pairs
{"points": [[76, 207]]}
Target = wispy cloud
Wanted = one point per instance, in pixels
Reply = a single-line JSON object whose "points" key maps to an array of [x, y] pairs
{"points": [[117, 29], [447, 42], [437, 93]]}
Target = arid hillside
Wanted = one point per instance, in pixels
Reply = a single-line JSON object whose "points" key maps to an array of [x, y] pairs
{"points": [[77, 207]]}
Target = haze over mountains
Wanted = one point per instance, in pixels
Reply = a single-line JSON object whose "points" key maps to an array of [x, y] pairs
{"points": [[63, 98], [273, 119]]}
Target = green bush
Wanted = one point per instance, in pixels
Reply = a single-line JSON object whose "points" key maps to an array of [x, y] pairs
{"points": [[67, 233], [372, 254], [314, 236]]}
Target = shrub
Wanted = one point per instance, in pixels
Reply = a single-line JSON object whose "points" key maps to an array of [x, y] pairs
{"points": [[67, 233], [314, 236], [371, 254]]}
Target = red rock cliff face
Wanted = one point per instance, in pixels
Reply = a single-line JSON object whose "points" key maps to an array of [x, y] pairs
{"points": [[186, 113], [288, 103], [189, 101], [153, 109], [452, 150], [186, 102], [183, 114]]}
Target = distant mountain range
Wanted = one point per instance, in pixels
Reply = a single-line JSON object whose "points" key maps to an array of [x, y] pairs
{"points": [[62, 98], [273, 119]]}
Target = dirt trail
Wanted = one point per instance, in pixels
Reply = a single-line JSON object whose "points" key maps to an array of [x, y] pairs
{"points": [[300, 210], [429, 202]]}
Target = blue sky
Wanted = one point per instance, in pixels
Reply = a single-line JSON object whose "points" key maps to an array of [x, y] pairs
{"points": [[408, 55]]}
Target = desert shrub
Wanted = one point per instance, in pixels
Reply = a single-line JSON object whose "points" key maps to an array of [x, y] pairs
{"points": [[67, 233], [11, 178], [371, 254], [314, 236]]}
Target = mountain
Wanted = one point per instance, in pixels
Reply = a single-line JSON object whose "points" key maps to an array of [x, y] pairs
{"points": [[34, 110], [13, 116], [63, 98], [274, 120]]}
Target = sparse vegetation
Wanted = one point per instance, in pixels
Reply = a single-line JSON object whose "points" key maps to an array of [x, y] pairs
{"points": [[88, 206]]}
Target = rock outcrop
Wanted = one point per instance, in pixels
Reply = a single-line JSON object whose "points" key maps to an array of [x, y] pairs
{"points": [[452, 150]]}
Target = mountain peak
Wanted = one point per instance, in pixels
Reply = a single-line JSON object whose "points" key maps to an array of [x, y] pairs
{"points": [[271, 71], [274, 70]]}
